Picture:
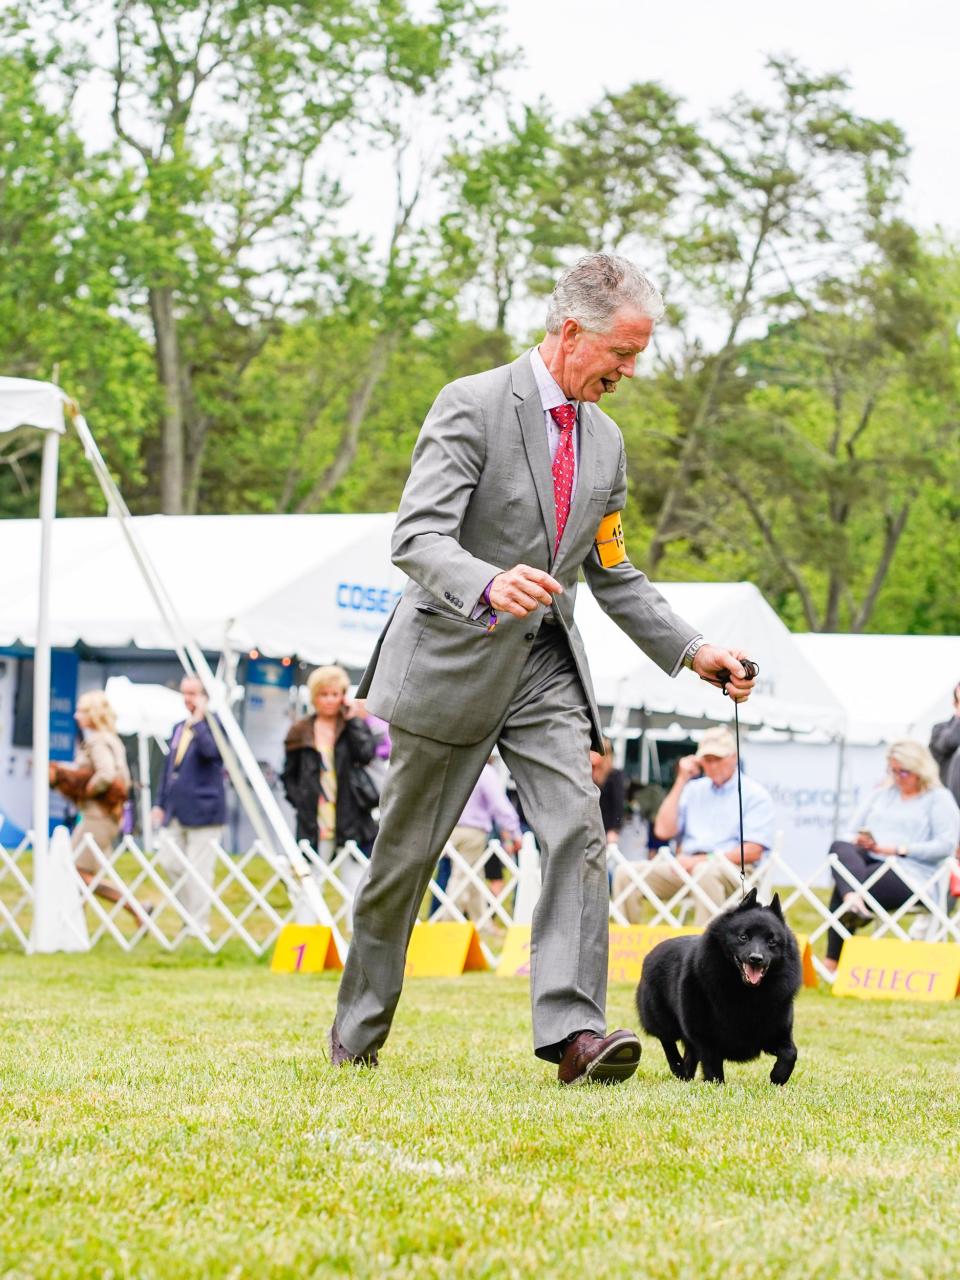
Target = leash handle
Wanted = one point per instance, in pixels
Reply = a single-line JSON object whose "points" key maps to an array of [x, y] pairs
{"points": [[752, 671]]}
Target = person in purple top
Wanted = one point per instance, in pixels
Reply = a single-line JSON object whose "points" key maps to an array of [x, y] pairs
{"points": [[487, 810]]}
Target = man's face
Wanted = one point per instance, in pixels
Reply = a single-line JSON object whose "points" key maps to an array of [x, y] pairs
{"points": [[192, 692], [719, 769], [595, 362]]}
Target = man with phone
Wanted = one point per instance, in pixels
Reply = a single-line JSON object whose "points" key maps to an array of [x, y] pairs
{"points": [[700, 812]]}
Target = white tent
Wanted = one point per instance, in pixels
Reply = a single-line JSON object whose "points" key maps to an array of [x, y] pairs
{"points": [[790, 693], [889, 686], [26, 405], [321, 586]]}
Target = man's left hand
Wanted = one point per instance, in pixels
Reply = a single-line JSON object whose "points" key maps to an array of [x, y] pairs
{"points": [[710, 660]]}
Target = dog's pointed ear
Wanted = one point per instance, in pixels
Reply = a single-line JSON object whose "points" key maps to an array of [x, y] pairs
{"points": [[775, 906], [749, 901]]}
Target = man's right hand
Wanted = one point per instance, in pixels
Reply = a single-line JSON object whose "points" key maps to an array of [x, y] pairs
{"points": [[688, 767], [522, 589], [156, 816]]}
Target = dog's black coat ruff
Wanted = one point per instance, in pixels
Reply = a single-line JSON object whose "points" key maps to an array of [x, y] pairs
{"points": [[725, 995]]}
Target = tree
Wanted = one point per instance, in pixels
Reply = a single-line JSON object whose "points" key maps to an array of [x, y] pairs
{"points": [[57, 292], [845, 424], [790, 197]]}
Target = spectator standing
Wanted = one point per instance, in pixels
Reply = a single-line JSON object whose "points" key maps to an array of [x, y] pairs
{"points": [[191, 806], [487, 810], [323, 753], [912, 822], [612, 784], [701, 813], [98, 783], [945, 748]]}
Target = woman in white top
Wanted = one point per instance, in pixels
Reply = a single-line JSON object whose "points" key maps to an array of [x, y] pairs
{"points": [[913, 820]]}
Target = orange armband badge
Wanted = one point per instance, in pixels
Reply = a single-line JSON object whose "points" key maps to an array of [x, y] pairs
{"points": [[611, 548]]}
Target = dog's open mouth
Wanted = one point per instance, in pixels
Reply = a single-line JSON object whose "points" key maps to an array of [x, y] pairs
{"points": [[752, 973]]}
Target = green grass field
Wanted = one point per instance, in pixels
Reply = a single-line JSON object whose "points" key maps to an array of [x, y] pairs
{"points": [[176, 1116]]}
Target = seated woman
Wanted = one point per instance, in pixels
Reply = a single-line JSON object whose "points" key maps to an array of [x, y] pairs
{"points": [[913, 820]]}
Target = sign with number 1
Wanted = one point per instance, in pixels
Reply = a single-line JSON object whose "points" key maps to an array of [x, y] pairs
{"points": [[305, 948]]}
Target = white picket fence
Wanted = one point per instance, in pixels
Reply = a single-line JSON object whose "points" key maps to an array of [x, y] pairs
{"points": [[253, 894]]}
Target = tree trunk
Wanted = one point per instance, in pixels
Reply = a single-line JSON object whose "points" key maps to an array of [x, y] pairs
{"points": [[168, 371]]}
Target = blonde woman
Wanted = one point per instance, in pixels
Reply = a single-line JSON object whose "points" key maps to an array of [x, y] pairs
{"points": [[323, 752], [913, 821], [98, 782]]}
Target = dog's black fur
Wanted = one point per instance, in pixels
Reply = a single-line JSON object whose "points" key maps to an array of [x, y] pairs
{"points": [[727, 994]]}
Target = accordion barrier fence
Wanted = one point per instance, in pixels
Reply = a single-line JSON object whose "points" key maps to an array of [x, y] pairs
{"points": [[253, 894]]}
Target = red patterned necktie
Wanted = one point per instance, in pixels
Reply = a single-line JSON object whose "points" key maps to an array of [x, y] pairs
{"points": [[565, 416]]}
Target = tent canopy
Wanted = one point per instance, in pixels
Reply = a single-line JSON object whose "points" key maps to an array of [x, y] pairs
{"points": [[322, 586], [24, 403], [889, 686], [285, 584], [790, 693]]}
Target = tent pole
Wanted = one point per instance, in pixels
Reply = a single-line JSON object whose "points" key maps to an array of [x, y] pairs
{"points": [[41, 653]]}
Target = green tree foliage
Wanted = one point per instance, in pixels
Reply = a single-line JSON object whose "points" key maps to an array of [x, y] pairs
{"points": [[196, 275]]}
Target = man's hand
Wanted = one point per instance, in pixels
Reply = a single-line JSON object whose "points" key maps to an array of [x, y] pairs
{"points": [[156, 816], [521, 590], [710, 660], [688, 767]]}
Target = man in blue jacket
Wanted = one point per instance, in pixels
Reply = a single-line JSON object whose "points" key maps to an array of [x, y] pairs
{"points": [[191, 806]]}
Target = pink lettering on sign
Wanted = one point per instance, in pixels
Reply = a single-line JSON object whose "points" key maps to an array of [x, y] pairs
{"points": [[299, 950], [914, 981], [921, 975]]}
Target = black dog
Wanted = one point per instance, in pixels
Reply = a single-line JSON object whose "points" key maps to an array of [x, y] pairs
{"points": [[725, 994]]}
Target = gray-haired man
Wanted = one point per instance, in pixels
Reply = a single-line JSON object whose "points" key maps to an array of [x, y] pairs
{"points": [[516, 484]]}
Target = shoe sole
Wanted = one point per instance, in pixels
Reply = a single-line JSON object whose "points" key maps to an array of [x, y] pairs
{"points": [[617, 1064]]}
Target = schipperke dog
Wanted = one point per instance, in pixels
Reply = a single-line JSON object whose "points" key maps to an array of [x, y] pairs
{"points": [[725, 994]]}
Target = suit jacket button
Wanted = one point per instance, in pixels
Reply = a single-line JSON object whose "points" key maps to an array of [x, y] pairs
{"points": [[531, 635]]}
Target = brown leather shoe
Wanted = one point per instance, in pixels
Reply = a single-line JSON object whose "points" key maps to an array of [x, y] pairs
{"points": [[606, 1059], [342, 1057]]}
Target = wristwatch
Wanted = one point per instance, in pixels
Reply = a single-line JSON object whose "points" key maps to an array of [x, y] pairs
{"points": [[901, 850], [693, 648]]}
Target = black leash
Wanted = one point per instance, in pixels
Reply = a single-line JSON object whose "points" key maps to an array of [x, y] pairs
{"points": [[752, 671]]}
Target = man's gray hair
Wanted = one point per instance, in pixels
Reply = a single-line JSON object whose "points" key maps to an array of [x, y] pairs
{"points": [[594, 289]]}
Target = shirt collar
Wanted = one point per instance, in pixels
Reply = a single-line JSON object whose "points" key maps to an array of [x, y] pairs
{"points": [[731, 782], [550, 394]]}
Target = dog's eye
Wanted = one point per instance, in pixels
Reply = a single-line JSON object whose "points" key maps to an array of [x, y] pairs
{"points": [[773, 941], [744, 938]]}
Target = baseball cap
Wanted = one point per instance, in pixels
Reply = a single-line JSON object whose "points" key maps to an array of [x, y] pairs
{"points": [[717, 742]]}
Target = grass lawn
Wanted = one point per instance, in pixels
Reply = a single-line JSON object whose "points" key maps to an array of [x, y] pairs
{"points": [[172, 1116]]}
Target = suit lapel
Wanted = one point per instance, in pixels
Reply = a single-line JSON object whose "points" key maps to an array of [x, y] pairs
{"points": [[586, 468], [530, 413]]}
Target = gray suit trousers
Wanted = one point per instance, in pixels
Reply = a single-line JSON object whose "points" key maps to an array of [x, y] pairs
{"points": [[545, 741]]}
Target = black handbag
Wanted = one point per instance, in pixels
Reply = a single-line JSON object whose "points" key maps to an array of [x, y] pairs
{"points": [[363, 788]]}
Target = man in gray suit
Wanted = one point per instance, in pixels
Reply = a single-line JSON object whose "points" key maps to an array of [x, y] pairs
{"points": [[516, 484]]}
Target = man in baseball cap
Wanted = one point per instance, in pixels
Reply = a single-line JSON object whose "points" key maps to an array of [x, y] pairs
{"points": [[700, 813]]}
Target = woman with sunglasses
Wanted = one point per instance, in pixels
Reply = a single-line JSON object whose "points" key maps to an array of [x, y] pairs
{"points": [[912, 820]]}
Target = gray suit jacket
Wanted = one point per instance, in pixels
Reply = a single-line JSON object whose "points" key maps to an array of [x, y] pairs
{"points": [[479, 500]]}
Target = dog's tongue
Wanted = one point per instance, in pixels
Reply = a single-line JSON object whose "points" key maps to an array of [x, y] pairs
{"points": [[753, 974]]}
